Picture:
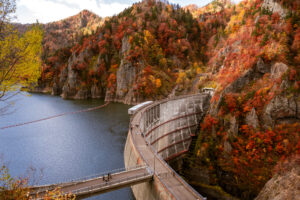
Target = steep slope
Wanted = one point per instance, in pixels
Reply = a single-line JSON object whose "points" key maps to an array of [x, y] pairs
{"points": [[283, 183], [134, 56], [59, 38], [253, 122], [66, 32]]}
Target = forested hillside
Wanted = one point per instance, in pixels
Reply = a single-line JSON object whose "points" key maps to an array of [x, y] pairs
{"points": [[252, 129], [248, 53], [142, 53]]}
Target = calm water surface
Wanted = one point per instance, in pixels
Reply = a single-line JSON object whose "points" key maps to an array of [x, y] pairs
{"points": [[67, 147]]}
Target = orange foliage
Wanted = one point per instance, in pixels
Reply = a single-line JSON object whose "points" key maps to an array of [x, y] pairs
{"points": [[111, 82]]}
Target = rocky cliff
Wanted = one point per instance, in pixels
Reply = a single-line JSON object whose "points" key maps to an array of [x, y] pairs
{"points": [[253, 122], [284, 184]]}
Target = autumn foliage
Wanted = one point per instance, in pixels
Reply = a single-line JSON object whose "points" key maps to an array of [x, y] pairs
{"points": [[231, 48]]}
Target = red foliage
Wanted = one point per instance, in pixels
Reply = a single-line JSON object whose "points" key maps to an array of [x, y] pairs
{"points": [[230, 100], [292, 75], [296, 43], [275, 18], [208, 123], [148, 70], [53, 60], [102, 46], [256, 153]]}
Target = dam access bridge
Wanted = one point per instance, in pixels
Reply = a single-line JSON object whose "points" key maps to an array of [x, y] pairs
{"points": [[97, 184], [160, 133]]}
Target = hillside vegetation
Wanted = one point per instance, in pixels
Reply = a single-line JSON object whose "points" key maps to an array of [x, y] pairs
{"points": [[249, 53], [253, 123]]}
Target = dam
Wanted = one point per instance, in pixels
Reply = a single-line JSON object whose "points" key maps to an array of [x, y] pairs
{"points": [[161, 133]]}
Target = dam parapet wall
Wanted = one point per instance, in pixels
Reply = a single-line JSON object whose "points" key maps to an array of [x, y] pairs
{"points": [[160, 132]]}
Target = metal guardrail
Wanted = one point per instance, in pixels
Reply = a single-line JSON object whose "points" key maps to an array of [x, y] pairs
{"points": [[185, 184], [91, 177], [143, 157], [172, 99], [105, 173], [109, 184]]}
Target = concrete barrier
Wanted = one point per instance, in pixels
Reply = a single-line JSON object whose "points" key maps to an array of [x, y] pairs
{"points": [[166, 129]]}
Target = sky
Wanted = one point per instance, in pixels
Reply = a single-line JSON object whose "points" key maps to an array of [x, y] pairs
{"points": [[29, 11]]}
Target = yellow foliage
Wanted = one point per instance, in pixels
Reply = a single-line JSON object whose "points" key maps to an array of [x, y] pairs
{"points": [[211, 84], [169, 7], [13, 188], [58, 195], [20, 59], [148, 37], [199, 70], [274, 49], [152, 79], [158, 83], [181, 77], [234, 23], [151, 48]]}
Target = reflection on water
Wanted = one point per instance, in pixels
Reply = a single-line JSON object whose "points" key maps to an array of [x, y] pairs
{"points": [[67, 147]]}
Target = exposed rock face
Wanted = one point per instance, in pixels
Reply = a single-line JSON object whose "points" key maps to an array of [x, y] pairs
{"points": [[227, 147], [45, 90], [281, 110], [274, 7], [248, 76], [125, 78], [252, 119], [234, 127], [96, 92], [69, 88], [278, 69], [69, 84], [125, 46], [261, 67], [83, 93], [55, 89], [283, 186], [130, 98], [69, 79], [109, 96]]}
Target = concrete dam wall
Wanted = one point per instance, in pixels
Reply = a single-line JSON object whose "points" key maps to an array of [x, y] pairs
{"points": [[159, 133], [169, 125]]}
